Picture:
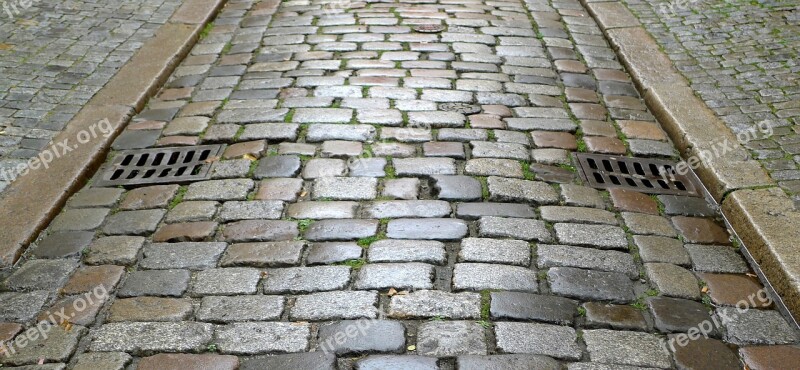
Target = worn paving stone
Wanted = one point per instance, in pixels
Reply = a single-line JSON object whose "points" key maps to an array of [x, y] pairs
{"points": [[333, 252], [599, 236], [192, 256], [587, 258], [298, 280], [434, 303], [735, 289], [155, 282], [526, 306], [515, 190], [234, 189], [322, 210], [424, 166], [22, 307], [260, 230], [362, 336], [516, 228], [89, 278], [590, 284], [382, 276], [451, 338], [407, 209], [331, 230], [457, 187], [661, 249], [63, 244], [477, 210], [623, 317], [411, 362], [626, 348], [102, 360], [335, 306], [226, 281], [248, 338], [769, 357], [678, 315], [41, 275], [538, 339], [430, 228], [672, 281], [755, 327], [172, 361], [712, 258], [308, 360], [141, 338], [391, 250], [133, 222], [514, 252], [57, 346], [222, 309], [480, 276], [150, 309], [577, 214], [345, 188], [79, 219], [512, 361], [266, 254], [705, 353], [256, 209]]}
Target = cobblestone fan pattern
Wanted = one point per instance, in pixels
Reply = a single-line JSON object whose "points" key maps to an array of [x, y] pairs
{"points": [[54, 56], [350, 224], [741, 57]]}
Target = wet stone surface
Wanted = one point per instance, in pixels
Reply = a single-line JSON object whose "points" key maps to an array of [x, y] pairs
{"points": [[351, 224]]}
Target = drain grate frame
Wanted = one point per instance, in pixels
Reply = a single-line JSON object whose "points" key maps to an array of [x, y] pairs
{"points": [[169, 165], [645, 175]]}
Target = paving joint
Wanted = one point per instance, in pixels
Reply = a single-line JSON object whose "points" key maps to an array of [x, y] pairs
{"points": [[742, 187], [40, 195]]}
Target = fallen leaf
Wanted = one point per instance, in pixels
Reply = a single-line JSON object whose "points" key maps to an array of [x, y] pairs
{"points": [[249, 157], [66, 325], [704, 290], [751, 275], [303, 193], [392, 291], [412, 347], [263, 274]]}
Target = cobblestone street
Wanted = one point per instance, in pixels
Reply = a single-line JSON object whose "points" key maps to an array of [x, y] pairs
{"points": [[54, 57], [741, 58], [352, 223]]}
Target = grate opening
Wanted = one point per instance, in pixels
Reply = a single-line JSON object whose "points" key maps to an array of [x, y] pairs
{"points": [[647, 175], [159, 166]]}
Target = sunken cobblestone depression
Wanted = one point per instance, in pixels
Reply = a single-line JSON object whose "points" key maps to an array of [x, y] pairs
{"points": [[349, 223]]}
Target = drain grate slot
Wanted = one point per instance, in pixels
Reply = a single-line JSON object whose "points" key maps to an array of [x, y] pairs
{"points": [[159, 166], [646, 175]]}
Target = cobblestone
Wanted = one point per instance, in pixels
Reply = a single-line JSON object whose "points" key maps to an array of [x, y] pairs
{"points": [[347, 198]]}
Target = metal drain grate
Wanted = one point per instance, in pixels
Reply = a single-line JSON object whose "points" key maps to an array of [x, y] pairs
{"points": [[462, 108], [646, 175], [159, 166]]}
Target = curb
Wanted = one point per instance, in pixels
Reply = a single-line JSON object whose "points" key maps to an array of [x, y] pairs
{"points": [[759, 212], [30, 203]]}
